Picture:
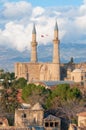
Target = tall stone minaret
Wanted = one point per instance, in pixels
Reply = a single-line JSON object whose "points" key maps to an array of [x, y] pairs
{"points": [[34, 46], [56, 55]]}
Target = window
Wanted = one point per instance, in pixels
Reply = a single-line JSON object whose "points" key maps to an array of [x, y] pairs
{"points": [[51, 124], [81, 77], [56, 124], [23, 115], [73, 78], [1, 123], [46, 124]]}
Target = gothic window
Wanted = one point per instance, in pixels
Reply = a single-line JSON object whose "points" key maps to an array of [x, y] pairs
{"points": [[73, 78], [81, 77]]}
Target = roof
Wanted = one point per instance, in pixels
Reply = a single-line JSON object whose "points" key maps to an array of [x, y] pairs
{"points": [[51, 117], [82, 114], [37, 106], [25, 105], [54, 83]]}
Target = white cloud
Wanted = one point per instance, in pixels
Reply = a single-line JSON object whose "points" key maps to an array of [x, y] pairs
{"points": [[17, 36], [37, 11], [17, 9], [18, 20]]}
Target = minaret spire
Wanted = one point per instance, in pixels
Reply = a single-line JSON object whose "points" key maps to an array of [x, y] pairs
{"points": [[34, 46], [34, 29], [56, 26], [56, 54]]}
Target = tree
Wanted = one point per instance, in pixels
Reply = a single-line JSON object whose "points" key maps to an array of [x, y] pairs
{"points": [[19, 83], [33, 94], [9, 99]]}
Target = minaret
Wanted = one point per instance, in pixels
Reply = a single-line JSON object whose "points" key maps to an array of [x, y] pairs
{"points": [[34, 46], [56, 55]]}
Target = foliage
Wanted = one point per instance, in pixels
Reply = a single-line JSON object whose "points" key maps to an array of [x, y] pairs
{"points": [[74, 93], [63, 99], [7, 75], [9, 99], [62, 93], [7, 78], [33, 93], [19, 83]]}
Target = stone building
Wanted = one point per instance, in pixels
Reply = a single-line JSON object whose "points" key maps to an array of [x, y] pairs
{"points": [[82, 120], [72, 127], [78, 75], [3, 122], [37, 71], [50, 71], [29, 116], [33, 117], [74, 72]]}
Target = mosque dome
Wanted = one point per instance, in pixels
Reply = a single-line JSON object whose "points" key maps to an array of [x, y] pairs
{"points": [[77, 71]]}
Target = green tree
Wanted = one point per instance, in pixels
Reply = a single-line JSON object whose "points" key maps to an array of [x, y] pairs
{"points": [[74, 93], [61, 91], [19, 83], [33, 93]]}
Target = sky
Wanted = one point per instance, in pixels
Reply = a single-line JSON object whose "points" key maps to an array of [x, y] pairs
{"points": [[47, 3], [17, 18]]}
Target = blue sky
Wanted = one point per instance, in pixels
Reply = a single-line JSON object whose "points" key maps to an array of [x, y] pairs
{"points": [[47, 3], [17, 18]]}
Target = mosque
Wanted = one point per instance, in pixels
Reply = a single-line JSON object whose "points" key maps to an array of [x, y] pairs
{"points": [[34, 70], [49, 71]]}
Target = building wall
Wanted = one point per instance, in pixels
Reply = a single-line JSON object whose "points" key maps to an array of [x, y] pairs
{"points": [[32, 117], [38, 71], [82, 121], [78, 76]]}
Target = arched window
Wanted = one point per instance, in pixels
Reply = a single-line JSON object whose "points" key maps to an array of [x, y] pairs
{"points": [[73, 78], [81, 77]]}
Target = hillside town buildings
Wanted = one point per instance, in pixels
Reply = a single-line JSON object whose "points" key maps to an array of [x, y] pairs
{"points": [[34, 118]]}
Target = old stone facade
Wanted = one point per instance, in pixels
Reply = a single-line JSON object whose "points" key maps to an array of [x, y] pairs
{"points": [[30, 116], [34, 117], [40, 71], [82, 120], [3, 122], [74, 72]]}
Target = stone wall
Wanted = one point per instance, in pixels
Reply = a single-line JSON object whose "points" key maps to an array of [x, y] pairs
{"points": [[38, 71], [28, 117]]}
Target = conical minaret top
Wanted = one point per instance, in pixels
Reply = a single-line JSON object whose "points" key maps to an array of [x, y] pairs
{"points": [[56, 26], [56, 31], [34, 29], [34, 33]]}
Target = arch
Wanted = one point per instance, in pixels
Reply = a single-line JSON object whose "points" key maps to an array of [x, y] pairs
{"points": [[43, 72]]}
